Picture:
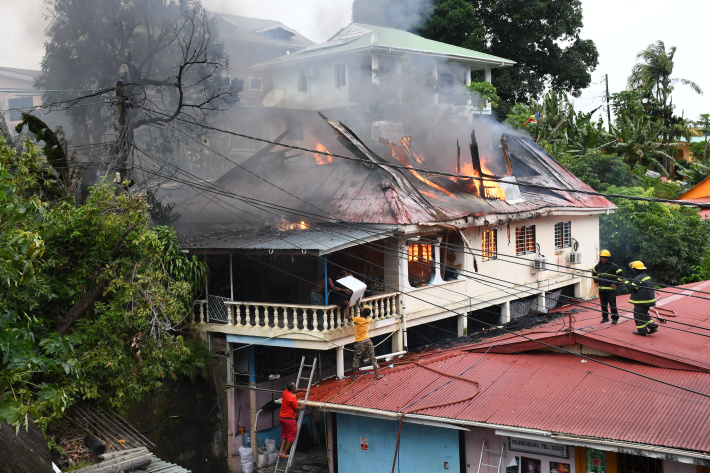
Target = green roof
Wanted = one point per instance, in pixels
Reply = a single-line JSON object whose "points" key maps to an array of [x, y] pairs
{"points": [[358, 36]]}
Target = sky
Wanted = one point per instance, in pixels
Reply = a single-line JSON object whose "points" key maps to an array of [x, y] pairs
{"points": [[619, 28]]}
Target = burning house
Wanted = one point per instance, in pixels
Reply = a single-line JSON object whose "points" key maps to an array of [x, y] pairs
{"points": [[503, 229]]}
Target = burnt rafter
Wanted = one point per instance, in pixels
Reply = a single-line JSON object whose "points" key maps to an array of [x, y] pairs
{"points": [[391, 177]]}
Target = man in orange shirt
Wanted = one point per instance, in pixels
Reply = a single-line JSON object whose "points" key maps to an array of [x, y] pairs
{"points": [[287, 418], [363, 344]]}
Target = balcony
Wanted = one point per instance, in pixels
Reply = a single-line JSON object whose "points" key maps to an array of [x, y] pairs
{"points": [[315, 326]]}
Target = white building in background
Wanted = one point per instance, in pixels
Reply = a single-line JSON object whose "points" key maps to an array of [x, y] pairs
{"points": [[17, 94]]}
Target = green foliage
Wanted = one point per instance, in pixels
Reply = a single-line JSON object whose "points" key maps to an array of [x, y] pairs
{"points": [[454, 22], [667, 238], [51, 253], [483, 93], [541, 37], [54, 148], [597, 169], [559, 129]]}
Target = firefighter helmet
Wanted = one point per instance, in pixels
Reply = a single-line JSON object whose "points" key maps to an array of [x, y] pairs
{"points": [[636, 265], [605, 253]]}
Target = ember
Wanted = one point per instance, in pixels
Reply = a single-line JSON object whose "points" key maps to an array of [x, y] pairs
{"points": [[322, 158], [294, 226]]}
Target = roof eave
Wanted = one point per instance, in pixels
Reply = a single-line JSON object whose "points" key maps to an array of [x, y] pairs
{"points": [[497, 62], [680, 455]]}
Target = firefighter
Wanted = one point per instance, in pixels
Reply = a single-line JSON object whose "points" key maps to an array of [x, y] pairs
{"points": [[606, 276], [643, 298]]}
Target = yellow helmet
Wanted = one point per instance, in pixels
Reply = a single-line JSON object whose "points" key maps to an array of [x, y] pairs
{"points": [[605, 253], [367, 306], [636, 265]]}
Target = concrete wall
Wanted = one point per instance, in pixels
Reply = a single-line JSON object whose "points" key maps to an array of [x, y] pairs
{"points": [[422, 448], [510, 275]]}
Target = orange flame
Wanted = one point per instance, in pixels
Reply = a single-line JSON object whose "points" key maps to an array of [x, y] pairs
{"points": [[302, 225], [429, 183], [486, 188], [322, 158]]}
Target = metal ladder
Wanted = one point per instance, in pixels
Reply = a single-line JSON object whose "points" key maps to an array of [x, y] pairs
{"points": [[300, 413], [500, 458]]}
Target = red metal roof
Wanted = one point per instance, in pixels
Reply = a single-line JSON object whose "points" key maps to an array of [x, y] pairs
{"points": [[683, 342], [561, 392]]}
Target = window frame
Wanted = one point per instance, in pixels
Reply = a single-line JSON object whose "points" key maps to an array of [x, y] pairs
{"points": [[261, 83], [525, 240], [489, 244], [563, 235], [341, 75], [304, 84]]}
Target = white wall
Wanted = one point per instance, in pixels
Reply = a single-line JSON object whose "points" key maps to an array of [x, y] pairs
{"points": [[473, 290]]}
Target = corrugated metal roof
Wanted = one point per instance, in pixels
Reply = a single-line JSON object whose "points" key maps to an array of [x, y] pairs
{"points": [[359, 36], [272, 186], [553, 392], [559, 392], [321, 239], [676, 346], [161, 466]]}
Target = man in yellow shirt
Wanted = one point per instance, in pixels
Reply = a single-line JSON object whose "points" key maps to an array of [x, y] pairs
{"points": [[363, 344]]}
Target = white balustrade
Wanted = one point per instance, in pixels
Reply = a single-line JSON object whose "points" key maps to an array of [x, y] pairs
{"points": [[251, 317]]}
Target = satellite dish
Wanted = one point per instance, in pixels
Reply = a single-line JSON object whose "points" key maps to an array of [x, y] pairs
{"points": [[273, 98]]}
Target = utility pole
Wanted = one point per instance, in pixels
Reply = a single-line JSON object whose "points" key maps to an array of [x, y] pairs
{"points": [[121, 132], [608, 109]]}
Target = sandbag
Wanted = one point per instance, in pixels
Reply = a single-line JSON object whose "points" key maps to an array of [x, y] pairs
{"points": [[270, 446], [246, 454], [262, 460], [273, 456], [248, 467]]}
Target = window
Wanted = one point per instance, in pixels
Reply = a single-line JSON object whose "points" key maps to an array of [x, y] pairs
{"points": [[303, 80], [255, 83], [563, 235], [446, 81], [628, 463], [525, 240], [489, 244], [341, 79], [19, 105], [421, 264]]}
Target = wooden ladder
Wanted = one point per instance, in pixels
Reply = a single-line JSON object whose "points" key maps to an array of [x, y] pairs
{"points": [[500, 458], [312, 367]]}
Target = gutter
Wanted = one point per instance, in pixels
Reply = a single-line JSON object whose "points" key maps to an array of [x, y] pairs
{"points": [[666, 453]]}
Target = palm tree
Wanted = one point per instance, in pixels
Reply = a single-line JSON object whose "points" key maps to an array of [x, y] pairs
{"points": [[652, 74]]}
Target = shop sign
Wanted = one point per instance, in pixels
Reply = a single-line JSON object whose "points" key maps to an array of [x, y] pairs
{"points": [[535, 446]]}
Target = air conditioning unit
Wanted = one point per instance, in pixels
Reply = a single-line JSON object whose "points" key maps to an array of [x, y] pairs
{"points": [[538, 264], [309, 72], [575, 257]]}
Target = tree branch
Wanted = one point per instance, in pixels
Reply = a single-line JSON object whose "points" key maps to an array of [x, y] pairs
{"points": [[87, 299]]}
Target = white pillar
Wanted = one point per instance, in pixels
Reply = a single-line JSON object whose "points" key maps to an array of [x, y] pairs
{"points": [[375, 68], [231, 279], [541, 303], [505, 313], [487, 74], [339, 363], [467, 77], [404, 268], [461, 325], [437, 261]]}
